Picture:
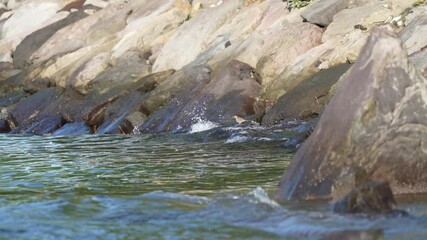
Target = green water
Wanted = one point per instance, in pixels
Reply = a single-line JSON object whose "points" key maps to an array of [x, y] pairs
{"points": [[164, 187]]}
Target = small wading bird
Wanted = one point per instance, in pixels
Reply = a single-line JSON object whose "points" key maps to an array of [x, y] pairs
{"points": [[240, 120]]}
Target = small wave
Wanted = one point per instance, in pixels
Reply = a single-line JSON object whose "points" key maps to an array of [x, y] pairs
{"points": [[202, 126], [261, 196], [237, 139], [161, 195]]}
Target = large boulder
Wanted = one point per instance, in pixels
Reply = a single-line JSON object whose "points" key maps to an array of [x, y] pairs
{"points": [[230, 92], [415, 42], [87, 31], [24, 16], [144, 27], [306, 100], [377, 120], [35, 40], [197, 33], [322, 12]]}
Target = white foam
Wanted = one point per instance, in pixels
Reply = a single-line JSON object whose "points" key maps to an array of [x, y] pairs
{"points": [[202, 126], [237, 139], [262, 196]]}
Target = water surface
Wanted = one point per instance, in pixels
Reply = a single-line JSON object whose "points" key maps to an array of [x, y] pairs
{"points": [[176, 186]]}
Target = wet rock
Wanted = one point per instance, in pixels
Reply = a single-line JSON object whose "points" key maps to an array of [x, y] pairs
{"points": [[376, 120], [75, 128], [174, 85], [27, 110], [150, 82], [371, 197], [134, 120], [230, 92], [4, 126], [371, 234], [114, 127], [35, 40], [322, 12], [45, 126], [36, 85], [97, 115], [306, 100]]}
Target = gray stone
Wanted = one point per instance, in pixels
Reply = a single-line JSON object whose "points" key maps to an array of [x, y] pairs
{"points": [[35, 40], [322, 12], [413, 35], [230, 92], [371, 197], [306, 100], [376, 121], [75, 128]]}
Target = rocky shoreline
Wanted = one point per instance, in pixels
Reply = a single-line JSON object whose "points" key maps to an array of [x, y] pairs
{"points": [[123, 67]]}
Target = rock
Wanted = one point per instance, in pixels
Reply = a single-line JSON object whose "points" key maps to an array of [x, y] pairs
{"points": [[45, 126], [231, 92], [73, 5], [63, 68], [26, 111], [285, 45], [35, 40], [376, 120], [36, 85], [195, 33], [150, 82], [420, 61], [415, 43], [75, 128], [413, 35], [327, 55], [156, 20], [24, 17], [306, 100], [343, 24], [4, 126], [371, 197], [174, 85], [129, 68], [322, 12], [349, 181], [82, 76], [94, 28], [224, 43], [371, 234], [134, 120]]}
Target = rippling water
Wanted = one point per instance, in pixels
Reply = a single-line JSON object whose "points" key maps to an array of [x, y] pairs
{"points": [[167, 187]]}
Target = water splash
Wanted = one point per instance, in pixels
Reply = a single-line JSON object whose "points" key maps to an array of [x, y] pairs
{"points": [[262, 196], [235, 138], [202, 125]]}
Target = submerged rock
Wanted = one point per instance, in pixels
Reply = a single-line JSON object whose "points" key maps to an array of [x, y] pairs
{"points": [[371, 197], [377, 120]]}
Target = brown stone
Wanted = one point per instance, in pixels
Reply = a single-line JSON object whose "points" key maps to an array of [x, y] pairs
{"points": [[377, 120]]}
